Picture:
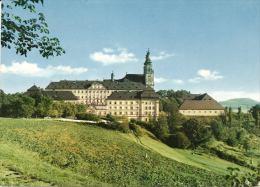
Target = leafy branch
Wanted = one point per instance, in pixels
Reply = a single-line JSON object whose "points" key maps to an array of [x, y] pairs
{"points": [[26, 35]]}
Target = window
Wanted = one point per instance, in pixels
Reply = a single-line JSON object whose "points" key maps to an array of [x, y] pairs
{"points": [[132, 108], [115, 102], [136, 113], [82, 97], [149, 108], [132, 113], [146, 119], [120, 113], [115, 113], [136, 102], [120, 107], [216, 112], [110, 102], [132, 103], [89, 91], [126, 102], [78, 91], [86, 91], [125, 112], [115, 107], [120, 102], [82, 91], [146, 108], [136, 107], [205, 112]]}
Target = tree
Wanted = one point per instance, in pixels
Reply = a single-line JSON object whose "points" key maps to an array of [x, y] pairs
{"points": [[44, 107], [179, 140], [230, 116], [239, 113], [255, 110], [27, 34], [161, 127], [57, 109], [69, 109], [17, 105], [197, 133], [247, 144], [81, 108]]}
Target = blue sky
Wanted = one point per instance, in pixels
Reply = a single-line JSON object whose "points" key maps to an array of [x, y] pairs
{"points": [[201, 46]]}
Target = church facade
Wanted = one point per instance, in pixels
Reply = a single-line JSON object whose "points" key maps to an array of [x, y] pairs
{"points": [[132, 95]]}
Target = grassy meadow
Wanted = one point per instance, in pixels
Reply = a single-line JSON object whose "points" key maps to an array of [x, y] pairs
{"points": [[46, 152]]}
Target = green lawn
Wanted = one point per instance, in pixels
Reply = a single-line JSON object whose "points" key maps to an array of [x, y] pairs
{"points": [[211, 163]]}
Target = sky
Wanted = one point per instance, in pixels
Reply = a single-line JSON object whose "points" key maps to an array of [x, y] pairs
{"points": [[197, 45]]}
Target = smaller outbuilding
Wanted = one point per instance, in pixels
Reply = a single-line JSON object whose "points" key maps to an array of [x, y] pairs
{"points": [[200, 105]]}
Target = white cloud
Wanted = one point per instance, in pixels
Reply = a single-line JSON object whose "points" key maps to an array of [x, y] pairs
{"points": [[162, 55], [122, 57], [177, 81], [158, 80], [206, 75], [108, 50], [226, 95], [32, 70]]}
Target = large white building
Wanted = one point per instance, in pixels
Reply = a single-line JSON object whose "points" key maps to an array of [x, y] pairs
{"points": [[132, 95]]}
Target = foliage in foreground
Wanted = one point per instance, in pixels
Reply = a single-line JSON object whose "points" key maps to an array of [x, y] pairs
{"points": [[102, 154]]}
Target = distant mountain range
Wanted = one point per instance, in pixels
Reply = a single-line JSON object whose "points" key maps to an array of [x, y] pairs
{"points": [[245, 103]]}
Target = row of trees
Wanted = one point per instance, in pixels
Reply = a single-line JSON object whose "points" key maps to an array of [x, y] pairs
{"points": [[19, 105]]}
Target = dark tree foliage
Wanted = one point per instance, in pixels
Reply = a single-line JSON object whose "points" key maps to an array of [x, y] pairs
{"points": [[161, 127], [171, 93], [230, 115], [197, 133], [27, 34], [17, 105], [81, 108], [178, 140], [255, 110]]}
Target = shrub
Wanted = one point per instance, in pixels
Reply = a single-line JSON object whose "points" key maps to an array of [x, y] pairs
{"points": [[88, 116], [178, 140]]}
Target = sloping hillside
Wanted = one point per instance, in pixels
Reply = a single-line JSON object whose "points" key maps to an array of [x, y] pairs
{"points": [[39, 152], [245, 103]]}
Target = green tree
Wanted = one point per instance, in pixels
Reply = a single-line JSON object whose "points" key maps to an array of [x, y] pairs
{"points": [[161, 127], [57, 106], [44, 107], [17, 105], [179, 140], [255, 110], [217, 129], [69, 109], [240, 116], [81, 108], [247, 144], [230, 115], [197, 133], [27, 34]]}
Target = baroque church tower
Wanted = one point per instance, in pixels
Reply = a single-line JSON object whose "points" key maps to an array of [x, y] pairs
{"points": [[148, 71]]}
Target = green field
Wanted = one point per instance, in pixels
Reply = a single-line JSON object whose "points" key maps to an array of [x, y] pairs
{"points": [[46, 152]]}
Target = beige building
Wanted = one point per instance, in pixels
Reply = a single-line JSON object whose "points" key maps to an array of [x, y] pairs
{"points": [[132, 95], [200, 105]]}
